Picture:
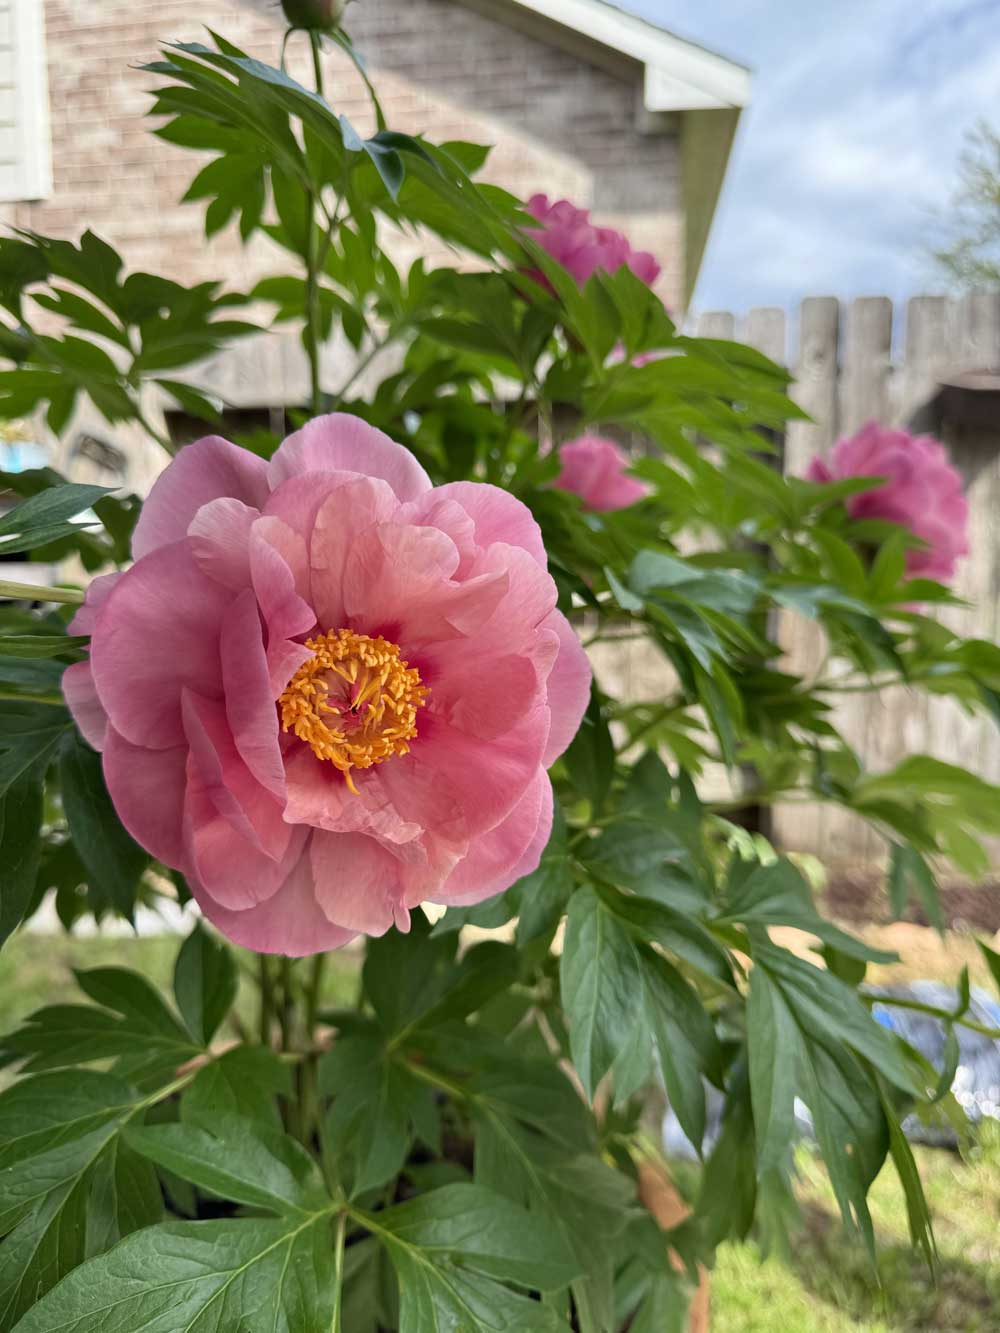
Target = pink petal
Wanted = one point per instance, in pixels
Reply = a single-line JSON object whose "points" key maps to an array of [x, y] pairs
{"points": [[342, 443], [230, 868], [158, 632], [397, 582], [249, 693], [202, 471], [568, 688], [220, 541], [358, 883], [497, 516], [289, 922], [147, 787], [236, 794], [349, 511], [97, 593], [319, 795], [499, 858], [81, 698], [286, 614]]}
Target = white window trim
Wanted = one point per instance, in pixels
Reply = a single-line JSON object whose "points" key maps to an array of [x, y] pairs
{"points": [[32, 174]]}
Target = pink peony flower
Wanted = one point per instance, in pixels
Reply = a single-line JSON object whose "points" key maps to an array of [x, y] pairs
{"points": [[327, 691], [568, 235], [594, 469], [921, 491]]}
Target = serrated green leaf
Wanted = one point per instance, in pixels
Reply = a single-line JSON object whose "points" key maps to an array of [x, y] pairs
{"points": [[251, 1276]]}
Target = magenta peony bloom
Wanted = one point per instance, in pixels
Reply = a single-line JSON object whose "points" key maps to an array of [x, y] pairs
{"points": [[328, 691], [594, 469], [922, 492], [568, 235]]}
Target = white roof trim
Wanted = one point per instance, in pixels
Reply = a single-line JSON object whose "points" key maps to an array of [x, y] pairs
{"points": [[680, 76]]}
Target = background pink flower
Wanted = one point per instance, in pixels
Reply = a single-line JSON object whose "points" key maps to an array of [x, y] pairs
{"points": [[327, 691], [922, 492], [568, 235], [594, 469]]}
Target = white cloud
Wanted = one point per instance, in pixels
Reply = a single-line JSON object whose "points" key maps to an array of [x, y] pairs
{"points": [[850, 145]]}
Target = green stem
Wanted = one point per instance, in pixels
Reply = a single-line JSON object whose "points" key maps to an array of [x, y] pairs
{"points": [[39, 592], [338, 1268], [313, 334], [287, 1008], [314, 989], [312, 257], [362, 366], [266, 1000], [315, 42], [898, 1002], [164, 441]]}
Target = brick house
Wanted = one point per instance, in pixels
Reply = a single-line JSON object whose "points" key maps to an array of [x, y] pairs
{"points": [[580, 98]]}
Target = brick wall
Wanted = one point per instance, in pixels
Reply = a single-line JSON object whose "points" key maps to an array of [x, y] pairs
{"points": [[560, 124]]}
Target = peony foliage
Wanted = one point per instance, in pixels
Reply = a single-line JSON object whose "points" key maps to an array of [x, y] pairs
{"points": [[317, 684]]}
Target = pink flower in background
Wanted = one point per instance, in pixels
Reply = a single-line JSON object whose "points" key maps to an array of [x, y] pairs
{"points": [[327, 691], [594, 469], [921, 491], [569, 236]]}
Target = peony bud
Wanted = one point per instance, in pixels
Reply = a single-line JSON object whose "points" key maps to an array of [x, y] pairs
{"points": [[314, 15]]}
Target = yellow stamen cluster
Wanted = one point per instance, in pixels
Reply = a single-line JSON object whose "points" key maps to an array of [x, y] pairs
{"points": [[354, 702]]}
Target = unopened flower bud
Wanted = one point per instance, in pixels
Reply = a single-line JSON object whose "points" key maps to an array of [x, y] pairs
{"points": [[314, 15]]}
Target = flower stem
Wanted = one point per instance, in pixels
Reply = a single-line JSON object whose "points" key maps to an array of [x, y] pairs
{"points": [[338, 1269], [313, 334], [37, 592], [266, 1000], [314, 989]]}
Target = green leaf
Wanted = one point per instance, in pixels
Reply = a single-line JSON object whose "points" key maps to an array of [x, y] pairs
{"points": [[44, 517], [205, 983], [246, 1081], [29, 734], [590, 758], [20, 850], [136, 1030], [449, 1248], [377, 1108], [773, 1047], [992, 960], [601, 986], [66, 1187], [909, 873], [113, 861], [830, 1010], [649, 856], [486, 1232], [778, 895], [655, 922], [257, 1276], [685, 1041], [236, 1158]]}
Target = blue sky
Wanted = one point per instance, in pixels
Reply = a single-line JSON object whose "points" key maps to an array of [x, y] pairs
{"points": [[845, 162]]}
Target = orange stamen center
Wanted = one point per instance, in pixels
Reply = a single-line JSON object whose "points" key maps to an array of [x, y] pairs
{"points": [[354, 702]]}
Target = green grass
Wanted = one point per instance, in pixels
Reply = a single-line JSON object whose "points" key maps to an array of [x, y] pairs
{"points": [[827, 1284]]}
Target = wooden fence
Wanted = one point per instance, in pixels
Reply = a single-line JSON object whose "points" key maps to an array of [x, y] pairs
{"points": [[933, 367]]}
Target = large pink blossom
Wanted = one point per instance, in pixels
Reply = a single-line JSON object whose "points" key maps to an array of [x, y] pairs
{"points": [[569, 236], [594, 469], [921, 491], [327, 691]]}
